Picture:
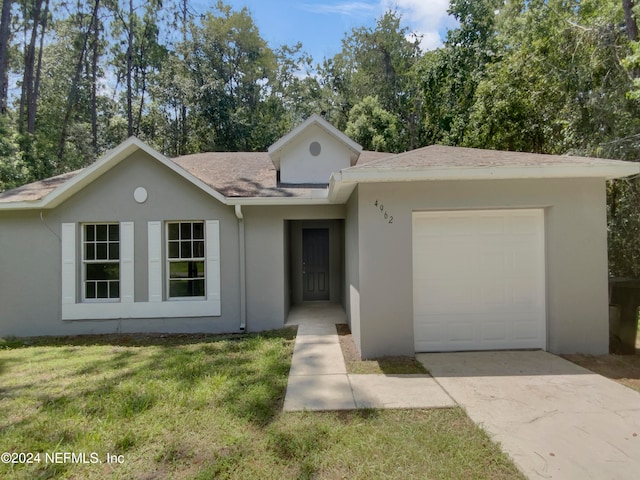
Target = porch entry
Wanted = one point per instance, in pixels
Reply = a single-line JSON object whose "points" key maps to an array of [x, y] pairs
{"points": [[314, 269]]}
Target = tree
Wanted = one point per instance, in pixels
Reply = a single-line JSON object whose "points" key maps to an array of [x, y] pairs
{"points": [[5, 37], [140, 59], [372, 126], [229, 66], [449, 76], [376, 62]]}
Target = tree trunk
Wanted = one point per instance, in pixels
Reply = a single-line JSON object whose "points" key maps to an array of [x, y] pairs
{"points": [[129, 72], [5, 34], [632, 26], [26, 98], [33, 100], [94, 87], [73, 88]]}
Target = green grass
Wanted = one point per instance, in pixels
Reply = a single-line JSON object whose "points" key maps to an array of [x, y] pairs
{"points": [[200, 407]]}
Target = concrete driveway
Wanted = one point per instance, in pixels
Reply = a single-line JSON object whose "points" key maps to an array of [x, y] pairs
{"points": [[554, 419]]}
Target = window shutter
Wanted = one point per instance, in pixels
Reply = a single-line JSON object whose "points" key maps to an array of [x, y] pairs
{"points": [[154, 230], [68, 242], [213, 259], [127, 280]]}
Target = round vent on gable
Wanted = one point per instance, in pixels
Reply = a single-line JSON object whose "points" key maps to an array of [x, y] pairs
{"points": [[315, 148]]}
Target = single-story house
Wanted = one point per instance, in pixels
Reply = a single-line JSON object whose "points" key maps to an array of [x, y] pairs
{"points": [[435, 249]]}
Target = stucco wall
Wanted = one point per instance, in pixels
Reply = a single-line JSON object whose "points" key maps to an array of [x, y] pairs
{"points": [[352, 269], [266, 270], [297, 165], [575, 224], [29, 274], [32, 247]]}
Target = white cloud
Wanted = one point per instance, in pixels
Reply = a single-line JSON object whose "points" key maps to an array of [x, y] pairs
{"points": [[346, 8], [424, 17]]}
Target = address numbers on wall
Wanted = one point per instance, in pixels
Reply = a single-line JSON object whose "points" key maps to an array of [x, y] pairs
{"points": [[383, 211]]}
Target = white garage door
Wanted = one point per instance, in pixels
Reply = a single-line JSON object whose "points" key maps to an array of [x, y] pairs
{"points": [[479, 280]]}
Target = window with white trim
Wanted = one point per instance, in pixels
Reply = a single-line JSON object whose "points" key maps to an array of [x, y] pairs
{"points": [[186, 259], [101, 262]]}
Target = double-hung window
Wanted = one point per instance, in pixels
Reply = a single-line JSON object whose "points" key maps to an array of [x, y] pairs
{"points": [[186, 259], [101, 261]]}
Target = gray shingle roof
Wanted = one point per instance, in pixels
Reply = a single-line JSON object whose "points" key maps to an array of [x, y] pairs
{"points": [[233, 174], [36, 190], [435, 156]]}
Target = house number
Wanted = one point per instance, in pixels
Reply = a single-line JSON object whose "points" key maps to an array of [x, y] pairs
{"points": [[383, 211]]}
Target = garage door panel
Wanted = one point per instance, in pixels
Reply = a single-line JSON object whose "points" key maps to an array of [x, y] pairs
{"points": [[494, 331], [461, 331], [479, 280]]}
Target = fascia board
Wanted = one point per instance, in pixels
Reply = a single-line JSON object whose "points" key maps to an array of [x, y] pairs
{"points": [[609, 172], [278, 201], [92, 172]]}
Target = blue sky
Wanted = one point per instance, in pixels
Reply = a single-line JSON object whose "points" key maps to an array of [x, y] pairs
{"points": [[321, 24]]}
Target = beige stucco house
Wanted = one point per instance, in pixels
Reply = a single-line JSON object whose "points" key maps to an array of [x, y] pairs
{"points": [[435, 249]]}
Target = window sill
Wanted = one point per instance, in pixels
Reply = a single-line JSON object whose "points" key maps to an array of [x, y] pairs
{"points": [[169, 309]]}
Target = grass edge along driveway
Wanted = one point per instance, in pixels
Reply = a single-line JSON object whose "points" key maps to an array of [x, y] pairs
{"points": [[201, 407]]}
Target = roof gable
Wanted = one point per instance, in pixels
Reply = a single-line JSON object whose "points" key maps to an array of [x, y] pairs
{"points": [[312, 151], [71, 183]]}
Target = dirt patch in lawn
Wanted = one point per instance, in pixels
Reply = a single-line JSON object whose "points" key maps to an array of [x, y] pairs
{"points": [[624, 369], [392, 365]]}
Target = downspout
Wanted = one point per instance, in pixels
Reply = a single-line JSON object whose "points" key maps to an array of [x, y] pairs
{"points": [[243, 284]]}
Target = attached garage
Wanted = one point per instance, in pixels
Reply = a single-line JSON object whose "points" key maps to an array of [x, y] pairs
{"points": [[479, 280]]}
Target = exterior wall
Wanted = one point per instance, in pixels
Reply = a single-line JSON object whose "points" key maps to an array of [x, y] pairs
{"points": [[352, 269], [266, 267], [576, 256], [110, 199], [30, 281], [298, 166]]}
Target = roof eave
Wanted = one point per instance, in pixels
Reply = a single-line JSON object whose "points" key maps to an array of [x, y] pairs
{"points": [[608, 172], [283, 201]]}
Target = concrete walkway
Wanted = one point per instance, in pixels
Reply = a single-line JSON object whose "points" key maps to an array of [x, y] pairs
{"points": [[553, 418], [318, 379]]}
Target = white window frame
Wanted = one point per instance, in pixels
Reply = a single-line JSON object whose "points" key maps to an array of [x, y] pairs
{"points": [[74, 305], [84, 262], [169, 260], [156, 307]]}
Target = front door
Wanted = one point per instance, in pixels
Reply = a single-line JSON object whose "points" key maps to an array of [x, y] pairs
{"points": [[315, 264]]}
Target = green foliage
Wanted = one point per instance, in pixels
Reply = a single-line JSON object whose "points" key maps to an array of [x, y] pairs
{"points": [[449, 76], [377, 63], [12, 170], [624, 228], [372, 126]]}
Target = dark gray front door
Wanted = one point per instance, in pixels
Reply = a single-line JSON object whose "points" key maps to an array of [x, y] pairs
{"points": [[315, 264]]}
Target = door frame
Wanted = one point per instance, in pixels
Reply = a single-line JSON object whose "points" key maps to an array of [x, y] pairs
{"points": [[321, 236], [336, 258]]}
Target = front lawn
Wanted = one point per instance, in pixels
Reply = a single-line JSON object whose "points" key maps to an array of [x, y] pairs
{"points": [[203, 407]]}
